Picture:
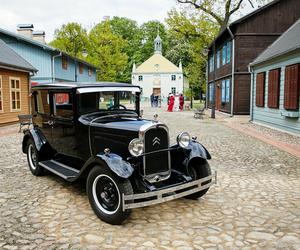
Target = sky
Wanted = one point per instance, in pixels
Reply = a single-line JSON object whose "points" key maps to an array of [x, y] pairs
{"points": [[48, 15]]}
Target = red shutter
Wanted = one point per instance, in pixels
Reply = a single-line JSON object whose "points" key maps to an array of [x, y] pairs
{"points": [[260, 89], [291, 87], [273, 88]]}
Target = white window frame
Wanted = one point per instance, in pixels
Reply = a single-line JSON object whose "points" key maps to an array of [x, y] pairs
{"points": [[173, 92], [1, 96], [10, 93]]}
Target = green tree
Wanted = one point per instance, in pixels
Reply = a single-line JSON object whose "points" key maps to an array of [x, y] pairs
{"points": [[220, 10], [70, 38], [148, 32], [191, 34], [106, 51], [129, 31]]}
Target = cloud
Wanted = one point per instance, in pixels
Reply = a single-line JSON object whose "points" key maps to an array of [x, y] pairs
{"points": [[49, 15]]}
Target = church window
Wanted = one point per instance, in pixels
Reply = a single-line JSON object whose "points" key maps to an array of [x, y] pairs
{"points": [[173, 90], [140, 78], [173, 77]]}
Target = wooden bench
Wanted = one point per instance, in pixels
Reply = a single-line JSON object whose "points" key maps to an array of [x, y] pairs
{"points": [[199, 113], [24, 120]]}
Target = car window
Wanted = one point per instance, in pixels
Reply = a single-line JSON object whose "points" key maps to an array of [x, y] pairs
{"points": [[63, 105], [42, 102], [104, 101]]}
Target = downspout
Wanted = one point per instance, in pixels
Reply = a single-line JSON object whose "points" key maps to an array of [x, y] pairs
{"points": [[232, 71], [53, 65], [251, 91], [206, 85]]}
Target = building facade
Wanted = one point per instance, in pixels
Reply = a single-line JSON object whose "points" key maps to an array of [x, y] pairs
{"points": [[228, 78], [52, 64], [15, 74], [158, 75], [275, 84]]}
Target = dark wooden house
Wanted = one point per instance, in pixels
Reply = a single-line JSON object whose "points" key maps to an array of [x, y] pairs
{"points": [[228, 78]]}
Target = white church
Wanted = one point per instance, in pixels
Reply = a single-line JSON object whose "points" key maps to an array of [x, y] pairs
{"points": [[158, 75]]}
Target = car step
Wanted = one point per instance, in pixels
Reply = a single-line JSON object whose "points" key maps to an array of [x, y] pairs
{"points": [[60, 169]]}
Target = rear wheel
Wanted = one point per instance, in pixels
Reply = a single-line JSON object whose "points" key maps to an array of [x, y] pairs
{"points": [[104, 191], [197, 170], [32, 158]]}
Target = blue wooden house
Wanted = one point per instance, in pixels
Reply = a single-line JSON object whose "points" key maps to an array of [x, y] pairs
{"points": [[275, 83], [51, 63]]}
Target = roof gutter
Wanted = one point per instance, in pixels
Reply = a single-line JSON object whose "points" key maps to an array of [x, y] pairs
{"points": [[232, 71], [250, 69]]}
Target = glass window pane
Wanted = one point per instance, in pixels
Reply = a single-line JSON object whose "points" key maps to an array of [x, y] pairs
{"points": [[12, 84], [18, 104], [18, 96], [13, 95], [13, 105], [17, 84]]}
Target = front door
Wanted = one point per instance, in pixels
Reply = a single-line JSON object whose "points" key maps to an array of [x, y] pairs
{"points": [[156, 91]]}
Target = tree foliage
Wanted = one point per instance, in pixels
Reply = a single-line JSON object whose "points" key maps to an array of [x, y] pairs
{"points": [[220, 10], [191, 34], [106, 51], [71, 38], [115, 44]]}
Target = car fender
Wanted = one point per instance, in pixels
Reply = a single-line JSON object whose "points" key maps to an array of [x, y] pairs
{"points": [[196, 150], [117, 164], [36, 136]]}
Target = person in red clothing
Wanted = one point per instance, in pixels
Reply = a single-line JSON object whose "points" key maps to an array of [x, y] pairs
{"points": [[171, 103], [181, 102]]}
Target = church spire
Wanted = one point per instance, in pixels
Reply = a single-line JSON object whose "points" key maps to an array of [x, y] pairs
{"points": [[158, 44]]}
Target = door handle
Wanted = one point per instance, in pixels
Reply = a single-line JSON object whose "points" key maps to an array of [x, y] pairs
{"points": [[50, 123]]}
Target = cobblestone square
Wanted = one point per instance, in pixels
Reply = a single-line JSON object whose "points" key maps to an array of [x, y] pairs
{"points": [[255, 205]]}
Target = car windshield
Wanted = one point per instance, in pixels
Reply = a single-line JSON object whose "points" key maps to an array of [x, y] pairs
{"points": [[107, 101]]}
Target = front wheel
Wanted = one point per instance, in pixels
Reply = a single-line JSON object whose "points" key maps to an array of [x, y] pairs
{"points": [[197, 170], [104, 191], [32, 158]]}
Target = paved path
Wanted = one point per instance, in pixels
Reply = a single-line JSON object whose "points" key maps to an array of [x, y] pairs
{"points": [[256, 204]]}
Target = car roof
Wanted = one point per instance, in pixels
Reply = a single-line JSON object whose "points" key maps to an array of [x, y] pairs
{"points": [[76, 85]]}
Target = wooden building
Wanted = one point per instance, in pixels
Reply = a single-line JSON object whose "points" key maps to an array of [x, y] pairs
{"points": [[53, 65], [15, 74], [275, 84], [228, 78]]}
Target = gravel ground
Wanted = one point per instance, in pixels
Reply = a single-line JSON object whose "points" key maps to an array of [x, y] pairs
{"points": [[255, 205]]}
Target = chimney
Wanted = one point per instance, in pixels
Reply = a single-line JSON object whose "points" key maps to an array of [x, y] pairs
{"points": [[25, 29], [39, 36]]}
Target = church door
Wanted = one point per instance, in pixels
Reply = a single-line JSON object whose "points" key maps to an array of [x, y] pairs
{"points": [[156, 91]]}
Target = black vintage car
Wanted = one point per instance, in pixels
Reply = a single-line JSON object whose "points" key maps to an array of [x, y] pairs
{"points": [[95, 131]]}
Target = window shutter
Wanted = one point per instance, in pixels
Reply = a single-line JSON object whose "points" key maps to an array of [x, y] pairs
{"points": [[273, 88], [291, 87], [260, 89]]}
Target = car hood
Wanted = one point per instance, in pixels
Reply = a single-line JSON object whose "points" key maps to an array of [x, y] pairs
{"points": [[124, 124]]}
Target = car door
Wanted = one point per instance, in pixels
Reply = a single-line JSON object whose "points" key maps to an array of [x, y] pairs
{"points": [[42, 114], [63, 129]]}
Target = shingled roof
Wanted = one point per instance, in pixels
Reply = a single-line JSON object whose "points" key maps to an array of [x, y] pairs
{"points": [[9, 58], [288, 42]]}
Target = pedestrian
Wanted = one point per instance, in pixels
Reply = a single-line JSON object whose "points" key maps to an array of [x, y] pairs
{"points": [[181, 102], [171, 103], [152, 100], [169, 98]]}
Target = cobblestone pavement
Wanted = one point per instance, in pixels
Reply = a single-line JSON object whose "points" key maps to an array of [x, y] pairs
{"points": [[255, 205]]}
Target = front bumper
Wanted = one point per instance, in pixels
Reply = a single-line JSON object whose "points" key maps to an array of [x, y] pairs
{"points": [[156, 197]]}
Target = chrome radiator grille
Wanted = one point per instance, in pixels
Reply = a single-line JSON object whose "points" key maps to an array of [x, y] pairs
{"points": [[156, 163]]}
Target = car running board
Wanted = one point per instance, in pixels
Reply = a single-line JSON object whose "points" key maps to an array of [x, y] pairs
{"points": [[62, 170]]}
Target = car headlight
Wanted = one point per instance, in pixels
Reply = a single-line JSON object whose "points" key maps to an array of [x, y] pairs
{"points": [[183, 139], [136, 147]]}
